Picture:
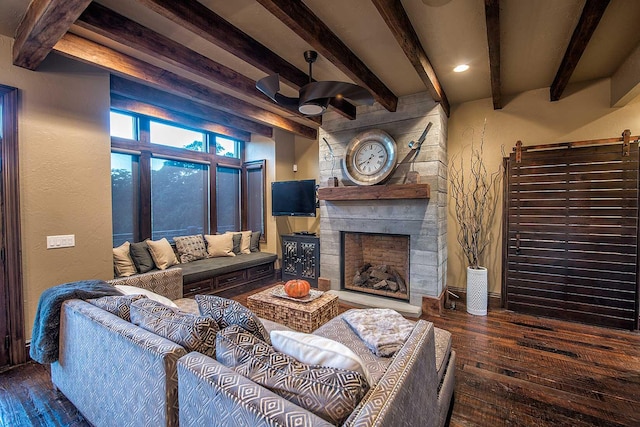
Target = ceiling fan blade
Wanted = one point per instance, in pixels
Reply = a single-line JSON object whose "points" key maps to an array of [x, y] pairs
{"points": [[270, 86], [329, 89]]}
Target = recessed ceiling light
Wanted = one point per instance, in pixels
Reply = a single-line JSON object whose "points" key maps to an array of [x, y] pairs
{"points": [[460, 68]]}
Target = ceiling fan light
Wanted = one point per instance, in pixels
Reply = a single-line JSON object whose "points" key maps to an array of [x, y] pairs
{"points": [[312, 108]]}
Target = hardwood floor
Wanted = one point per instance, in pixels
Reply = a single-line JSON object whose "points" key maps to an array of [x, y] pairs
{"points": [[512, 370]]}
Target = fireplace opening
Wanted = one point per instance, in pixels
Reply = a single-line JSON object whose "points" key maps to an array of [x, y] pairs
{"points": [[375, 263]]}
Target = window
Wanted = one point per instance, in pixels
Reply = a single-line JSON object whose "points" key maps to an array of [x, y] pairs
{"points": [[179, 198], [124, 197], [255, 184], [227, 147], [122, 125], [164, 183], [228, 199], [175, 136]]}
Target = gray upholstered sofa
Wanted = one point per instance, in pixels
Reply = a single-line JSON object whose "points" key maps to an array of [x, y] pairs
{"points": [[116, 373]]}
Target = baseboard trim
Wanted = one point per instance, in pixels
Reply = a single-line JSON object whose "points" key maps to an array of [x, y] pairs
{"points": [[495, 300]]}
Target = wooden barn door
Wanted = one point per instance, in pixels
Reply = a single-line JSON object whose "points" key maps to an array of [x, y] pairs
{"points": [[571, 240]]}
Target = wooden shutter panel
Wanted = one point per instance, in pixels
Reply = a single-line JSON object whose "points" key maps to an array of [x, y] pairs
{"points": [[572, 233]]}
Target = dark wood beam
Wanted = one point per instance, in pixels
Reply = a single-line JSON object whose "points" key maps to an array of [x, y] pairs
{"points": [[119, 102], [45, 22], [107, 23], [398, 22], [203, 22], [492, 17], [589, 20], [132, 68], [123, 87], [299, 18]]}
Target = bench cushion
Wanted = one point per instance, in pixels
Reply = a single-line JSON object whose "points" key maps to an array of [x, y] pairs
{"points": [[203, 269]]}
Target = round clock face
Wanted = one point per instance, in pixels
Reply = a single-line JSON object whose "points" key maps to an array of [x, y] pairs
{"points": [[370, 157]]}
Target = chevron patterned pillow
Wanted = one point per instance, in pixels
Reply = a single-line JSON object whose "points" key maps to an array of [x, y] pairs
{"points": [[330, 393]]}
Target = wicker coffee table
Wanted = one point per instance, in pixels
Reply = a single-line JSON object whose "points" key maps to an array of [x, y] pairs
{"points": [[301, 316]]}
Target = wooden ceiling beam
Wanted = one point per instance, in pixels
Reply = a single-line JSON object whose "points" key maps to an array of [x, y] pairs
{"points": [[123, 87], [205, 23], [132, 68], [124, 103], [45, 22], [400, 25], [299, 18], [589, 20], [492, 17], [109, 24]]}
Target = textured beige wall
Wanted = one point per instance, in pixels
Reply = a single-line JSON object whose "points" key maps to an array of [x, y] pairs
{"points": [[65, 178], [285, 158], [282, 152], [262, 148], [306, 157], [583, 113]]}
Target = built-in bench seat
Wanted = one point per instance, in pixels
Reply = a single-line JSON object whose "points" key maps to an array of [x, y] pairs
{"points": [[213, 275]]}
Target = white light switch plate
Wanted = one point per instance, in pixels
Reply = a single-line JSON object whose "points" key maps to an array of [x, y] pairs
{"points": [[64, 241]]}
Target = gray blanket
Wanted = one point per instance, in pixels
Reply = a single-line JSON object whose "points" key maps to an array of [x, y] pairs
{"points": [[383, 330], [46, 327]]}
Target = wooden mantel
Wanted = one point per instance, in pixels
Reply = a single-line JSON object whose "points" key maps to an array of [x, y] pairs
{"points": [[375, 192]]}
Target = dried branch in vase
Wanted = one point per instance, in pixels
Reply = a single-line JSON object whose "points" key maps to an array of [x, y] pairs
{"points": [[472, 191]]}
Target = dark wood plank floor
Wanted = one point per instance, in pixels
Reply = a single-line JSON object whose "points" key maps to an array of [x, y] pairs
{"points": [[512, 370]]}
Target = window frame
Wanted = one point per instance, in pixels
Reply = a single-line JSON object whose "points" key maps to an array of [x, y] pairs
{"points": [[240, 200], [145, 150], [246, 168]]}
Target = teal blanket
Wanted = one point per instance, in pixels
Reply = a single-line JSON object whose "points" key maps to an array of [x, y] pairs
{"points": [[46, 327]]}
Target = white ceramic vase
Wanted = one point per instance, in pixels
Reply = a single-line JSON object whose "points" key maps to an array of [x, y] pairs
{"points": [[477, 291]]}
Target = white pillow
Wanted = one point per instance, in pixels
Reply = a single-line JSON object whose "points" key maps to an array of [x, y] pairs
{"points": [[245, 242], [162, 253], [315, 350], [122, 262], [219, 245], [133, 290]]}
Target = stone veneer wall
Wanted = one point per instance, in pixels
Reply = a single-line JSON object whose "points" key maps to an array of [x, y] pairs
{"points": [[425, 221]]}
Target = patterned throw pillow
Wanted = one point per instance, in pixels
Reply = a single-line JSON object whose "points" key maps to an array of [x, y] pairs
{"points": [[228, 312], [191, 248], [118, 305], [194, 333], [330, 393], [254, 245]]}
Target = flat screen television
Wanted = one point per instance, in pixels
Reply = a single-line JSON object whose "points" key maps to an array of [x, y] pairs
{"points": [[293, 198]]}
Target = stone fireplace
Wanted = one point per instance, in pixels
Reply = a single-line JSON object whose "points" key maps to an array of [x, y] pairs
{"points": [[376, 264], [422, 221]]}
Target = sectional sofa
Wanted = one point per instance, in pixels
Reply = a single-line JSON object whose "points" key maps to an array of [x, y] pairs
{"points": [[117, 373]]}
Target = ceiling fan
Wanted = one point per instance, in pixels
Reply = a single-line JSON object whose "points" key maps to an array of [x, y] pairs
{"points": [[314, 97]]}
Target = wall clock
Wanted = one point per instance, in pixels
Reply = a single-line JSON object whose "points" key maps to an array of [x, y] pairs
{"points": [[370, 157]]}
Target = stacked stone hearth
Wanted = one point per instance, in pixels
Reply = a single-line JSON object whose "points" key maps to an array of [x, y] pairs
{"points": [[422, 220]]}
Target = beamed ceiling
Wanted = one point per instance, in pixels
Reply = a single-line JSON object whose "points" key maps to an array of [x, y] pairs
{"points": [[211, 52]]}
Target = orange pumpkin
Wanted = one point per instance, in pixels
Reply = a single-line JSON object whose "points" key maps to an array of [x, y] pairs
{"points": [[297, 288]]}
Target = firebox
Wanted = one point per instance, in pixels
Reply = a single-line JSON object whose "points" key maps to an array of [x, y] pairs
{"points": [[375, 263]]}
